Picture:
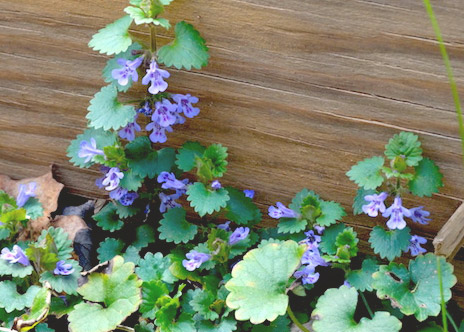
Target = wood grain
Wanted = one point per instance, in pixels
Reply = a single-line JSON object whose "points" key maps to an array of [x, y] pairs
{"points": [[451, 236], [298, 90]]}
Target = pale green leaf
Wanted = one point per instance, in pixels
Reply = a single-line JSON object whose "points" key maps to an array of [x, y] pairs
{"points": [[366, 173], [389, 244], [206, 201], [175, 228], [114, 38], [427, 179], [405, 145]]}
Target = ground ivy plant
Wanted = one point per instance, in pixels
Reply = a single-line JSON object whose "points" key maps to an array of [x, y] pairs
{"points": [[182, 251]]}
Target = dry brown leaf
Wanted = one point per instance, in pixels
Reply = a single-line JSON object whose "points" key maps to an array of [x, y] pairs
{"points": [[70, 224], [47, 192]]}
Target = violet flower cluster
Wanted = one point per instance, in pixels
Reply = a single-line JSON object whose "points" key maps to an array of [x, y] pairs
{"points": [[194, 260], [241, 233], [25, 191], [165, 113], [14, 256], [62, 268], [397, 212], [169, 181], [111, 182], [310, 260], [281, 211]]}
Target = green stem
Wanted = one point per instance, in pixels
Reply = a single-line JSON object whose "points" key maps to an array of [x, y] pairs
{"points": [[449, 70], [295, 320], [153, 46], [369, 310], [453, 323], [443, 305]]}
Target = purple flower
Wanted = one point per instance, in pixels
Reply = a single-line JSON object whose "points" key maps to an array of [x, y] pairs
{"points": [[225, 226], [419, 215], [112, 178], [347, 284], [118, 193], [239, 234], [168, 202], [63, 269], [128, 70], [184, 105], [313, 258], [249, 193], [169, 181], [128, 132], [155, 76], [180, 192], [376, 204], [216, 185], [319, 229], [194, 260], [25, 192], [128, 198], [15, 256], [307, 275], [414, 245], [281, 211], [164, 114], [88, 150], [396, 212], [312, 240], [159, 133], [145, 109]]}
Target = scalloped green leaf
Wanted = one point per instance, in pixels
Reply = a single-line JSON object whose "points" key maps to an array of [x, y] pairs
{"points": [[331, 213], [415, 291], [427, 178], [62, 242], [16, 270], [185, 158], [217, 154], [108, 219], [132, 254], [155, 267], [11, 300], [362, 279], [102, 138], [144, 235], [151, 292], [205, 201], [106, 112], [67, 284], [187, 50], [114, 38], [281, 324], [329, 237], [141, 157], [251, 286], [39, 309], [389, 244], [175, 228], [109, 249], [335, 309], [34, 208], [202, 302], [225, 325], [125, 211], [113, 64], [291, 225], [367, 173], [112, 298], [405, 145], [131, 181], [241, 209]]}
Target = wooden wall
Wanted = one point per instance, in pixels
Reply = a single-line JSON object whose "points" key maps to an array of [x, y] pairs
{"points": [[299, 90]]}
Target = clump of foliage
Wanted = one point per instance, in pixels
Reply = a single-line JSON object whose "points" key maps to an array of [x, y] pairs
{"points": [[196, 259]]}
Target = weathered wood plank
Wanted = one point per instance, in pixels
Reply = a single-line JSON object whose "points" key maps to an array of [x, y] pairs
{"points": [[450, 238]]}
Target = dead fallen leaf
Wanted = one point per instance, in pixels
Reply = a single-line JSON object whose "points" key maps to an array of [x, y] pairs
{"points": [[47, 192]]}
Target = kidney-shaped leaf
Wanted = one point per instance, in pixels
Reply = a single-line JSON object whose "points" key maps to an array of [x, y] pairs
{"points": [[417, 290], [259, 281], [119, 292], [335, 313]]}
